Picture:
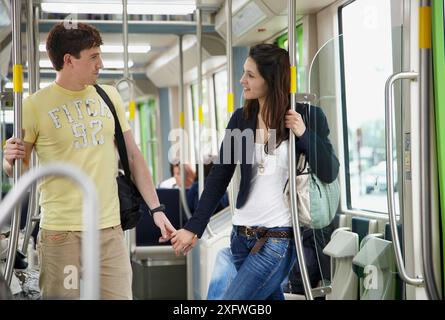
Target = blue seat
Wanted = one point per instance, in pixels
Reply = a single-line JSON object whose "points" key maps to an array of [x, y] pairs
{"points": [[361, 227], [147, 233], [388, 236]]}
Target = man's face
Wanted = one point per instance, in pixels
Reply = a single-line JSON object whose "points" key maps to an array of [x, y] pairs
{"points": [[177, 175], [86, 68]]}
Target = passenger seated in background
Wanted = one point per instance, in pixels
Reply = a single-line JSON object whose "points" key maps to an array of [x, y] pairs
{"points": [[175, 180], [193, 192]]}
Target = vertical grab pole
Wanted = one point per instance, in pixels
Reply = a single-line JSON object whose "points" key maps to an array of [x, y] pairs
{"points": [[18, 89], [36, 30], [125, 37], [425, 147], [182, 128], [127, 77], [199, 113], [230, 97], [292, 160], [31, 57]]}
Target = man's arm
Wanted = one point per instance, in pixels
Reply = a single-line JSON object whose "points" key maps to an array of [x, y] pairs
{"points": [[16, 149], [144, 182]]}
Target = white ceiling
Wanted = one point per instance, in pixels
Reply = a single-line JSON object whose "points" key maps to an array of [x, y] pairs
{"points": [[159, 43], [162, 43]]}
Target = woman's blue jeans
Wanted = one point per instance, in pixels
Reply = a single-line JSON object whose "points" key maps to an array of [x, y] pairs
{"points": [[259, 276]]}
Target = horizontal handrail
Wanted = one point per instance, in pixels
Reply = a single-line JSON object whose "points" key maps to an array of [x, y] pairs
{"points": [[90, 241]]}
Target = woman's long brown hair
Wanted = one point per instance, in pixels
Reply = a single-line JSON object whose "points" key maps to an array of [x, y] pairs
{"points": [[274, 66]]}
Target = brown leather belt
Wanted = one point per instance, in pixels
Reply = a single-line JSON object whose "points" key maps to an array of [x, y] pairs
{"points": [[262, 234]]}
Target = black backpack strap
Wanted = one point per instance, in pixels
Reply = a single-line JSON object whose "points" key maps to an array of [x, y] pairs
{"points": [[117, 132]]}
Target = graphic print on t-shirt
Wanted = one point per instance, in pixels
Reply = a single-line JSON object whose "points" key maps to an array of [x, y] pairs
{"points": [[85, 118]]}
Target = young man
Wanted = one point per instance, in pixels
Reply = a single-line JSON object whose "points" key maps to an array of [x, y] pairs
{"points": [[69, 122]]}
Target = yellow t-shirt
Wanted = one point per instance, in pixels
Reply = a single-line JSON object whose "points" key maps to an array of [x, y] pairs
{"points": [[75, 127]]}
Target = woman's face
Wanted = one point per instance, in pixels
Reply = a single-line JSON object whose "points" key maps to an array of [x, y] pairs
{"points": [[254, 85]]}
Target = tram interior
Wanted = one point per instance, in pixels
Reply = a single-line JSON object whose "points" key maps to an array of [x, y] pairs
{"points": [[346, 51]]}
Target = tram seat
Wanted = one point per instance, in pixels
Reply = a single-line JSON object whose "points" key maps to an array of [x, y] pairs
{"points": [[376, 262], [5, 291], [201, 259], [157, 272], [388, 236], [363, 227], [342, 248], [147, 233]]}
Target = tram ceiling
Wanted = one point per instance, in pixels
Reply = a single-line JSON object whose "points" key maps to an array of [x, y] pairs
{"points": [[162, 35], [142, 27], [254, 21]]}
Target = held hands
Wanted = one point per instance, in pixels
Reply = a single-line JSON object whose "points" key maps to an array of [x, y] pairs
{"points": [[14, 149], [183, 240], [294, 121], [167, 230]]}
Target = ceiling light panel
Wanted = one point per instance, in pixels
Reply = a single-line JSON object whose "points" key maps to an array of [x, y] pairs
{"points": [[115, 48], [115, 7]]}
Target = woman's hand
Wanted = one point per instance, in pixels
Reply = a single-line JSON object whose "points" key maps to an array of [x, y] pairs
{"points": [[183, 240], [294, 121]]}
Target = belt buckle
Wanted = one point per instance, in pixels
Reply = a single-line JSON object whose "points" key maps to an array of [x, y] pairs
{"points": [[247, 231]]}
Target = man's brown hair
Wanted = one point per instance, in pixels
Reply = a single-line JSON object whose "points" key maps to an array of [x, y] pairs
{"points": [[62, 40]]}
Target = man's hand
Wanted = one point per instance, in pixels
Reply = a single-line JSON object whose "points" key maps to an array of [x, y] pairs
{"points": [[14, 149], [183, 240], [164, 225]]}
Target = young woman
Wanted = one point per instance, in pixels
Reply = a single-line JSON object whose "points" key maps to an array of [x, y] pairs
{"points": [[262, 242]]}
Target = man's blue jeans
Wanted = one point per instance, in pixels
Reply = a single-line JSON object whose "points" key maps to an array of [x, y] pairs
{"points": [[259, 276]]}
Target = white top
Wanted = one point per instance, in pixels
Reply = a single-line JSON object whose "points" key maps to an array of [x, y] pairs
{"points": [[265, 206], [170, 183]]}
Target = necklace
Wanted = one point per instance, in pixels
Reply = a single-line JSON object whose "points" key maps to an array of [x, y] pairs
{"points": [[261, 158], [261, 161]]}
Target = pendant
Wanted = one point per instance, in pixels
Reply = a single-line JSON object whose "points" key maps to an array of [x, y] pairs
{"points": [[261, 168]]}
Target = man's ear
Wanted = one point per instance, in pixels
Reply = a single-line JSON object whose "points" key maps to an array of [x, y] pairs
{"points": [[67, 60]]}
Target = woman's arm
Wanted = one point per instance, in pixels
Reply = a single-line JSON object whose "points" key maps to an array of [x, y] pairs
{"points": [[215, 186], [316, 144], [216, 182]]}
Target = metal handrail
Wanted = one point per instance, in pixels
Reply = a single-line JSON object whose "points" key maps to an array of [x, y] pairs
{"points": [[129, 81], [18, 88], [198, 113], [292, 156], [90, 240], [230, 93], [31, 54], [182, 195], [125, 36], [419, 281], [425, 106]]}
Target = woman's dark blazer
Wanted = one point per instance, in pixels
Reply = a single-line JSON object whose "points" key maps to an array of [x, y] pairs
{"points": [[238, 146]]}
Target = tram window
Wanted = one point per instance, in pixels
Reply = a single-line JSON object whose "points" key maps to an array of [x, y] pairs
{"points": [[283, 43], [369, 49], [207, 122], [148, 136], [220, 88]]}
